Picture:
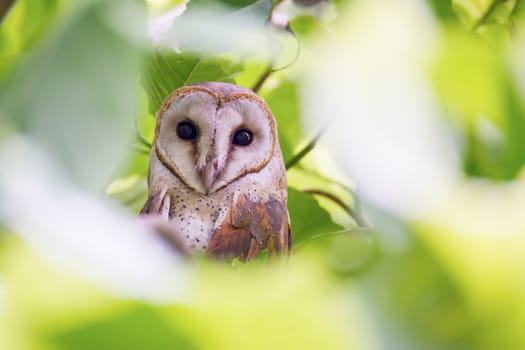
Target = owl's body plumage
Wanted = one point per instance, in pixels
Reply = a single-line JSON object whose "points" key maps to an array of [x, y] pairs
{"points": [[217, 174]]}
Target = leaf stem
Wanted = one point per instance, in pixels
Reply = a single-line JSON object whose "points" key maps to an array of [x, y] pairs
{"points": [[264, 76], [360, 221], [306, 149]]}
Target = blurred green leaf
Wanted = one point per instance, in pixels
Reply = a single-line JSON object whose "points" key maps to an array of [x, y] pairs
{"points": [[484, 267], [443, 9], [519, 13], [478, 92], [167, 71], [27, 21], [76, 94], [63, 298], [304, 25], [469, 76], [423, 305], [266, 307], [140, 327], [499, 156], [477, 13]]}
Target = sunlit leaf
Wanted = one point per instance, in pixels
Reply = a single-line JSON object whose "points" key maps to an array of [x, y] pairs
{"points": [[469, 76], [262, 307], [423, 303], [474, 84]]}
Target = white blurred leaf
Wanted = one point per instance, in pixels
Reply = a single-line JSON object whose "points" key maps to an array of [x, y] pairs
{"points": [[386, 127], [76, 92], [81, 232]]}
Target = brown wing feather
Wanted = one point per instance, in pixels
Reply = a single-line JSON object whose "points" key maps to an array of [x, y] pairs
{"points": [[251, 227]]}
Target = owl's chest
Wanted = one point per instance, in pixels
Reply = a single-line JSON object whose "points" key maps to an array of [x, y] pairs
{"points": [[194, 216]]}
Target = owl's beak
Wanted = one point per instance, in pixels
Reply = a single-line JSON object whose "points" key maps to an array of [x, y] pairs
{"points": [[209, 174]]}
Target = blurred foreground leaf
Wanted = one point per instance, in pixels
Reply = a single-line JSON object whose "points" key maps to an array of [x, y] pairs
{"points": [[76, 94], [478, 91], [255, 306], [27, 21], [488, 269]]}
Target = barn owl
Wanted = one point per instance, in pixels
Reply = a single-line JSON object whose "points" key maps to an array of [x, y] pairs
{"points": [[216, 173]]}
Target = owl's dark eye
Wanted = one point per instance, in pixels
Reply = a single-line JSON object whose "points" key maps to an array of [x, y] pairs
{"points": [[186, 131], [242, 137]]}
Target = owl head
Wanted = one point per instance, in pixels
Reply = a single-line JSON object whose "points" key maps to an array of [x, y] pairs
{"points": [[211, 134]]}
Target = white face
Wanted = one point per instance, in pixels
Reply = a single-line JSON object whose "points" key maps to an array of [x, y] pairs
{"points": [[209, 140]]}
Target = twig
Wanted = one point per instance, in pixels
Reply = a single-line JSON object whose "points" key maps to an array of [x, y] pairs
{"points": [[327, 234], [270, 69], [274, 5], [349, 210], [326, 178], [296, 57], [302, 153], [257, 86]]}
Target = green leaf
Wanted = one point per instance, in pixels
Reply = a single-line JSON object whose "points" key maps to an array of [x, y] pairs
{"points": [[168, 71], [308, 219], [476, 13], [477, 90], [304, 25], [469, 77], [421, 303], [284, 103], [443, 9], [139, 327]]}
